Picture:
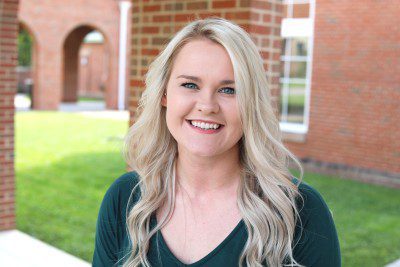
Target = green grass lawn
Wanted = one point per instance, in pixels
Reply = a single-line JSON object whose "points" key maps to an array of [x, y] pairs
{"points": [[65, 163], [89, 99]]}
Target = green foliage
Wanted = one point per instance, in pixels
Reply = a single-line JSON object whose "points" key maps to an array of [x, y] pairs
{"points": [[24, 48], [65, 163]]}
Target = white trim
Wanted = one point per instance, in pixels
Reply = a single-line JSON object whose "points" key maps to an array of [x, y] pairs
{"points": [[294, 2], [310, 52], [285, 89], [293, 80], [294, 58], [123, 33], [289, 9], [297, 27], [293, 127]]}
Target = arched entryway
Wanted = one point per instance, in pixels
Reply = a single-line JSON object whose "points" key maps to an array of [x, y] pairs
{"points": [[86, 65]]}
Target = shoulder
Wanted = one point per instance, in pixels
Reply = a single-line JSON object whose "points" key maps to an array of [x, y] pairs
{"points": [[110, 227], [316, 241], [125, 181], [123, 184], [311, 200], [119, 192]]}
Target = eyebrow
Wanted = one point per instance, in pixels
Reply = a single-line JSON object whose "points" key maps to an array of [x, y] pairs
{"points": [[197, 79]]}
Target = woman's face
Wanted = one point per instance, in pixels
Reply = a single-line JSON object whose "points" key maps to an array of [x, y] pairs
{"points": [[201, 108]]}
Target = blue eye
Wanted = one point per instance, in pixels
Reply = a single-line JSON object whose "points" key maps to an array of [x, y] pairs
{"points": [[227, 90], [190, 85]]}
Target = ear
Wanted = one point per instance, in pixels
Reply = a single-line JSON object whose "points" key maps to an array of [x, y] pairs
{"points": [[164, 100]]}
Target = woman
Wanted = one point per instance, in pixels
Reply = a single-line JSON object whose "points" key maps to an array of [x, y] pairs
{"points": [[211, 185]]}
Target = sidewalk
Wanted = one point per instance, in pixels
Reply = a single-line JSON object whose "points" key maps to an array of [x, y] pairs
{"points": [[93, 109], [23, 103], [18, 249]]}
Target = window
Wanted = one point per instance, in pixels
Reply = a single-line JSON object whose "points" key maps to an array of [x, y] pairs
{"points": [[296, 59]]}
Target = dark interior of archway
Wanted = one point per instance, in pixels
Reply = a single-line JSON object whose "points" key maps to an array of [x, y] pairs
{"points": [[71, 61]]}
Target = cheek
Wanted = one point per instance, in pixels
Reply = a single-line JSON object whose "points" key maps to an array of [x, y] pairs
{"points": [[232, 114], [238, 134], [175, 115], [171, 124], [178, 106], [237, 130]]}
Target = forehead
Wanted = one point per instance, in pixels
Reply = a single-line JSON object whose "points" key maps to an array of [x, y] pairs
{"points": [[203, 57]]}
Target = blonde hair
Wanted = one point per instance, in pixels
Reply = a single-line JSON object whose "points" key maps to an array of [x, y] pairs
{"points": [[266, 194]]}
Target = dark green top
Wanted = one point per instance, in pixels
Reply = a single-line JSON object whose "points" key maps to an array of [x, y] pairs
{"points": [[318, 242]]}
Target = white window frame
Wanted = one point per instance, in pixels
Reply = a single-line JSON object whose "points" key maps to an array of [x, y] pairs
{"points": [[298, 27], [296, 1]]}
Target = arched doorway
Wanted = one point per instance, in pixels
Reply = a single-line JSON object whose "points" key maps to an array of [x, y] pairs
{"points": [[86, 69], [93, 68]]}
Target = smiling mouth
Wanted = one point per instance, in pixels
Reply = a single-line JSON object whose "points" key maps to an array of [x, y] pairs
{"points": [[204, 125]]}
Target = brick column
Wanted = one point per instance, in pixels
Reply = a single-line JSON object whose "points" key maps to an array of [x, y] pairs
{"points": [[8, 85], [154, 22]]}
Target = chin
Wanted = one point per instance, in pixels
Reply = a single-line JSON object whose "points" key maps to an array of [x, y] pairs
{"points": [[202, 151]]}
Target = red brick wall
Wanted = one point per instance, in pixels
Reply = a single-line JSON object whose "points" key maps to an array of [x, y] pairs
{"points": [[154, 22], [8, 86], [355, 94], [51, 23]]}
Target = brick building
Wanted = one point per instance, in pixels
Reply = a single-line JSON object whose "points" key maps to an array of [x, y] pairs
{"points": [[8, 87], [333, 67], [58, 28], [350, 115], [335, 83]]}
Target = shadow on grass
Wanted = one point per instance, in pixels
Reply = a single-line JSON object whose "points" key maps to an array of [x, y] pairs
{"points": [[58, 203]]}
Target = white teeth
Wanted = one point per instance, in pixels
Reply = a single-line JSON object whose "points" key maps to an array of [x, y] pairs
{"points": [[204, 125]]}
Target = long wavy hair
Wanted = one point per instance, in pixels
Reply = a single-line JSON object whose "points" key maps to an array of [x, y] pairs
{"points": [[266, 194]]}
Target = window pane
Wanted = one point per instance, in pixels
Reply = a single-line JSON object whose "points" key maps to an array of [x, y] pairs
{"points": [[283, 105], [298, 69], [283, 47], [282, 69], [296, 100], [299, 46]]}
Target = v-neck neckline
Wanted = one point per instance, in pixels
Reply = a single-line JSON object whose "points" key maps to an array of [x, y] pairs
{"points": [[164, 246]]}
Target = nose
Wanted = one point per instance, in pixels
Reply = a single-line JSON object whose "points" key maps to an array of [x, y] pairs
{"points": [[207, 103]]}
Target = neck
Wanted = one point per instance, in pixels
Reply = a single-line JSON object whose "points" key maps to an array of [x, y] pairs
{"points": [[206, 176]]}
